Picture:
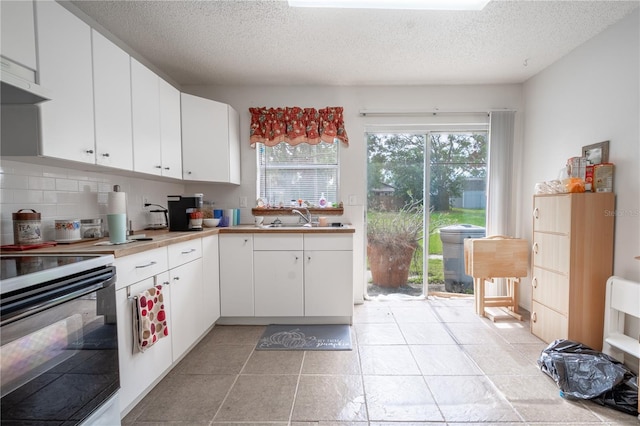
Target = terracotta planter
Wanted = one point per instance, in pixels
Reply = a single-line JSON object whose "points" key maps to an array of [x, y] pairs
{"points": [[389, 266]]}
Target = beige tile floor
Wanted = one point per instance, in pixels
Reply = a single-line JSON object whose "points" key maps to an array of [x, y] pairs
{"points": [[413, 362]]}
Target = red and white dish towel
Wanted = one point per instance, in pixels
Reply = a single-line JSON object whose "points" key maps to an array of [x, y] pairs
{"points": [[150, 318]]}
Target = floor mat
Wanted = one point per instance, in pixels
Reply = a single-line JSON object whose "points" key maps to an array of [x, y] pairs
{"points": [[330, 337]]}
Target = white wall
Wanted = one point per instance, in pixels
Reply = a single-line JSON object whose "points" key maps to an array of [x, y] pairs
{"points": [[353, 159], [589, 96]]}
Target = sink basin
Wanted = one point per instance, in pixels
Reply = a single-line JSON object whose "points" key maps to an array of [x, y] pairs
{"points": [[290, 226], [286, 226]]}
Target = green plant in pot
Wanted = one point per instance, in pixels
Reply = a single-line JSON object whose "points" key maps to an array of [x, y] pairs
{"points": [[392, 239]]}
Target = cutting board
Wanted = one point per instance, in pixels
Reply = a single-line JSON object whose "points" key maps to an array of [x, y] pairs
{"points": [[23, 247]]}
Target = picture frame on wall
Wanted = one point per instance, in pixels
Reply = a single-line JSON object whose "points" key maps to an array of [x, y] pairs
{"points": [[596, 153]]}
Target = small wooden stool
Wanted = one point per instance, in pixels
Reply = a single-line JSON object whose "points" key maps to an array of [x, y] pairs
{"points": [[496, 257]]}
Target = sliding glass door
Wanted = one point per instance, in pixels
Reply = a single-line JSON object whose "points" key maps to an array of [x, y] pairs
{"points": [[403, 223]]}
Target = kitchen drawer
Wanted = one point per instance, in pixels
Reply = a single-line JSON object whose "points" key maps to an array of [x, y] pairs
{"points": [[548, 324], [551, 289], [277, 242], [181, 253], [552, 213], [551, 251], [140, 266], [328, 242]]}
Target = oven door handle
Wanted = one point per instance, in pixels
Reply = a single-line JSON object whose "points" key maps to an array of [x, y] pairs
{"points": [[34, 308]]}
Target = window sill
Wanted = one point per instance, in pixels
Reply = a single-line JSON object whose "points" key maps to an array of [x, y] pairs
{"points": [[316, 211]]}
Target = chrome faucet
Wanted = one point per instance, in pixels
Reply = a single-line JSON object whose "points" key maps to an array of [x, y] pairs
{"points": [[305, 216]]}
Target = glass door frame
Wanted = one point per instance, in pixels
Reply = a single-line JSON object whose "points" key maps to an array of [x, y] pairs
{"points": [[424, 130]]}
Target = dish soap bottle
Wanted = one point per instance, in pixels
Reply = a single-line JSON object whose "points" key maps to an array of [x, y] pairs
{"points": [[323, 201]]}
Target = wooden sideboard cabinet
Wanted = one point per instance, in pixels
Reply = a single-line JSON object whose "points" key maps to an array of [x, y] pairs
{"points": [[572, 257]]}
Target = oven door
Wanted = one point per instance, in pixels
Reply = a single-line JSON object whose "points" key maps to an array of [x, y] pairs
{"points": [[59, 350]]}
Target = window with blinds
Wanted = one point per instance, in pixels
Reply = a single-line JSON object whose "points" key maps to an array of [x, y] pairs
{"points": [[303, 171]]}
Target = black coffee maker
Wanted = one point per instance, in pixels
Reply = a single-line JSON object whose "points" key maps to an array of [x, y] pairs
{"points": [[183, 212]]}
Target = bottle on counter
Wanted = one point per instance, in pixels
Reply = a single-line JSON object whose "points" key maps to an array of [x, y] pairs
{"points": [[322, 202]]}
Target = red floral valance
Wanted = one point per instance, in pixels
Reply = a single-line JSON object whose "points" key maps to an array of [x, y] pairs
{"points": [[295, 125]]}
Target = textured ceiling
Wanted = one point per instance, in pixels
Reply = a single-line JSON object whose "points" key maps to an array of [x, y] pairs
{"points": [[267, 43]]}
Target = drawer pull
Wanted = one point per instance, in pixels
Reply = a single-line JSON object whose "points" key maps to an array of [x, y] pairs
{"points": [[535, 248], [153, 262], [534, 317], [89, 151], [189, 251], [536, 213], [534, 282]]}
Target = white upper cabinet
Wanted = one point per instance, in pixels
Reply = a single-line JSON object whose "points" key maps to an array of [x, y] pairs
{"points": [[210, 141], [17, 30], [65, 66], [170, 134], [156, 123], [112, 91], [145, 101]]}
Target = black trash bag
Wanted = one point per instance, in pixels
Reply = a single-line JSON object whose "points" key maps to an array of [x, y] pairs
{"points": [[584, 373]]}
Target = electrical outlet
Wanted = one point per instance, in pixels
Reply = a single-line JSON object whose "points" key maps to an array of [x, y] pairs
{"points": [[353, 200], [243, 202]]}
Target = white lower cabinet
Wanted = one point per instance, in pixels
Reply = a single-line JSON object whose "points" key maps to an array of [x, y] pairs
{"points": [[210, 280], [186, 306], [139, 370], [286, 275], [236, 275], [187, 296], [328, 275], [278, 275]]}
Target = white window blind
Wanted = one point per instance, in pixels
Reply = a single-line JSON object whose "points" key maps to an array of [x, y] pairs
{"points": [[304, 171]]}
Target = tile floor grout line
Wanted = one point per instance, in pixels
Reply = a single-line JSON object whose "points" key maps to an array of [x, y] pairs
{"points": [[232, 385], [364, 390], [295, 392]]}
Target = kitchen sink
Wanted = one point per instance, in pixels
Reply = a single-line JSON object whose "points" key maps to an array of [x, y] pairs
{"points": [[290, 226], [286, 226]]}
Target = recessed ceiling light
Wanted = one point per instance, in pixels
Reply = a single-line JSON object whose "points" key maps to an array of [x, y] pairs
{"points": [[394, 4]]}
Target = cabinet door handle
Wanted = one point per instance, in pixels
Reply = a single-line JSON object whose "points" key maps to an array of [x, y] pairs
{"points": [[534, 282], [536, 213], [153, 262], [176, 278], [309, 258], [158, 167], [534, 317], [106, 154], [535, 248], [166, 168], [189, 251], [89, 151], [188, 173], [166, 283]]}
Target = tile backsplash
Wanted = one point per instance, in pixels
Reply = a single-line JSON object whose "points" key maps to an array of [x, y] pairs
{"points": [[61, 193]]}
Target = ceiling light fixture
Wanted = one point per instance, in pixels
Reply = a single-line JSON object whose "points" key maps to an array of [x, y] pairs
{"points": [[394, 4]]}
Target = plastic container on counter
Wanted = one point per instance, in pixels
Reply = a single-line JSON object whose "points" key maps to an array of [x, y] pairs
{"points": [[91, 228]]}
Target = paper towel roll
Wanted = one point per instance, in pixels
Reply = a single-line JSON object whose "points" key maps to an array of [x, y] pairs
{"points": [[117, 203]]}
